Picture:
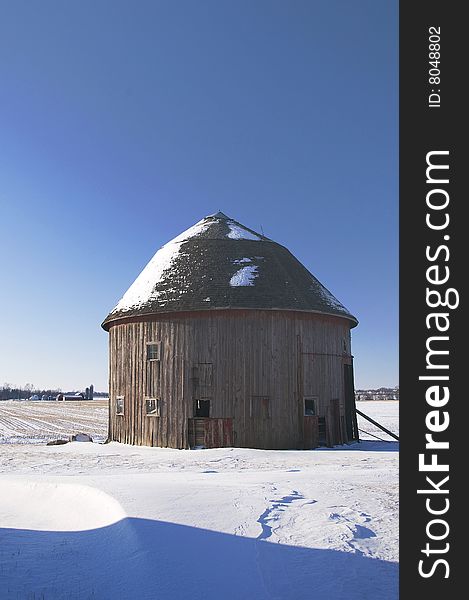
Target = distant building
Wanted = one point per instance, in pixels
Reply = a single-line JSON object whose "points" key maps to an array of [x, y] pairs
{"points": [[378, 394], [75, 396], [226, 339]]}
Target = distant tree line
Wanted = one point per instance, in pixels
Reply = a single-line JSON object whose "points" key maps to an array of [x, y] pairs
{"points": [[10, 391]]}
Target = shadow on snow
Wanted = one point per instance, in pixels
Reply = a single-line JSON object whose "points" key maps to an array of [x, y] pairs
{"points": [[364, 446], [152, 560]]}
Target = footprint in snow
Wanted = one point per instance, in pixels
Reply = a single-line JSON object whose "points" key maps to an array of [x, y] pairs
{"points": [[271, 513], [349, 518], [363, 533]]}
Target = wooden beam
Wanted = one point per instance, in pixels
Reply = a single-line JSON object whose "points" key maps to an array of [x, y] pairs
{"points": [[393, 435]]}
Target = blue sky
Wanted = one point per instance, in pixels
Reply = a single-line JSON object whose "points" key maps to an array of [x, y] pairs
{"points": [[124, 122]]}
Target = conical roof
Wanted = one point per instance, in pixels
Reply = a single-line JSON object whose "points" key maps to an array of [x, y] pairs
{"points": [[219, 263]]}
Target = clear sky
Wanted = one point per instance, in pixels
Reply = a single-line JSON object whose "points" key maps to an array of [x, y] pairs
{"points": [[122, 123]]}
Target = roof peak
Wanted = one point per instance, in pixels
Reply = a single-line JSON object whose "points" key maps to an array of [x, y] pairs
{"points": [[219, 227], [231, 228], [219, 215]]}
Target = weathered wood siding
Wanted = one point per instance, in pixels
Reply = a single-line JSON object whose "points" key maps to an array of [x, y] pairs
{"points": [[253, 366]]}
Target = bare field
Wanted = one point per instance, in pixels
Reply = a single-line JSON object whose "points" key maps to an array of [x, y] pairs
{"points": [[39, 422]]}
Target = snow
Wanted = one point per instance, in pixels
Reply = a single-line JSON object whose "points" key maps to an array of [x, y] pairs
{"points": [[119, 522], [244, 277], [386, 413], [96, 509], [143, 288], [192, 232], [240, 261], [29, 422], [238, 232], [329, 298]]}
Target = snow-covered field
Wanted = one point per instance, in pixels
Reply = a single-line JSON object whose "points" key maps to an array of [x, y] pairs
{"points": [[33, 422], [93, 521], [385, 412]]}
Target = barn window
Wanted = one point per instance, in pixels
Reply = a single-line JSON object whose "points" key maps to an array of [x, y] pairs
{"points": [[152, 407], [260, 407], [310, 406], [202, 408], [120, 405], [153, 350]]}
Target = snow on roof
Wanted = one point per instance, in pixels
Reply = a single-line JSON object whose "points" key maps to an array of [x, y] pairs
{"points": [[237, 232], [193, 231], [143, 288], [244, 277], [240, 261], [329, 299], [220, 263]]}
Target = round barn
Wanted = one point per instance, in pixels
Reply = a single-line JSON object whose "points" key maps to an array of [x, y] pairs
{"points": [[226, 339]]}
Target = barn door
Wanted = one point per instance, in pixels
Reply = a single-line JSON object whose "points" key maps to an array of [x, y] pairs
{"points": [[196, 432], [350, 413], [210, 433], [333, 424], [310, 423], [310, 433], [260, 423]]}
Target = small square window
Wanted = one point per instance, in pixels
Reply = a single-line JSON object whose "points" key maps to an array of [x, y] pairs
{"points": [[152, 407], [153, 351], [310, 407], [120, 405], [202, 408]]}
